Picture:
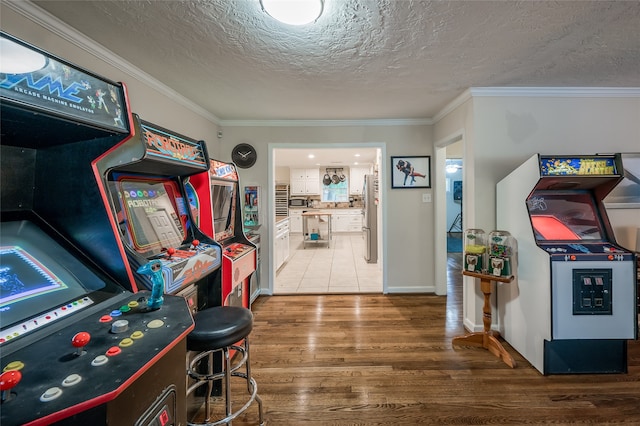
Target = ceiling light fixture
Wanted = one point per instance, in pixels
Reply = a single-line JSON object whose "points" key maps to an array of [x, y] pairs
{"points": [[18, 59], [452, 167], [293, 12]]}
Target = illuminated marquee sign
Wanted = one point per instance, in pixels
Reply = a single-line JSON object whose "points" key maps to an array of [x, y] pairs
{"points": [[65, 90], [223, 170], [166, 146], [577, 166]]}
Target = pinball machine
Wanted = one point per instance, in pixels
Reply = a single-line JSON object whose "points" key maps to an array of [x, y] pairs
{"points": [[218, 195], [571, 308], [77, 346]]}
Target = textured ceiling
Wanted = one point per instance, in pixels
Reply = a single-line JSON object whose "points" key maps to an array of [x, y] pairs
{"points": [[363, 59]]}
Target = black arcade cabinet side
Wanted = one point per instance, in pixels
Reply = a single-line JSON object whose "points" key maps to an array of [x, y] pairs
{"points": [[75, 345]]}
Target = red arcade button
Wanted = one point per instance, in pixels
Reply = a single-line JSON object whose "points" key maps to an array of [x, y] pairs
{"points": [[113, 351]]}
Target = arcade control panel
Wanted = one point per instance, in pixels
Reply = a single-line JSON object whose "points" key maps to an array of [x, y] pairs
{"points": [[236, 250], [93, 361], [185, 265], [596, 251]]}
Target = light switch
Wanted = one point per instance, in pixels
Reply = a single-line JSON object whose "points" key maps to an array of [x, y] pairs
{"points": [[426, 198]]}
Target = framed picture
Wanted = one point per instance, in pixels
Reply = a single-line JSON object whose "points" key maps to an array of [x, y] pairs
{"points": [[411, 171]]}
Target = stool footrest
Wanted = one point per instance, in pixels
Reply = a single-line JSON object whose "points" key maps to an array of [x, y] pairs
{"points": [[254, 396], [230, 370]]}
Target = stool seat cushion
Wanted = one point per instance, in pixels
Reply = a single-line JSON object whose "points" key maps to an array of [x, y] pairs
{"points": [[219, 327]]}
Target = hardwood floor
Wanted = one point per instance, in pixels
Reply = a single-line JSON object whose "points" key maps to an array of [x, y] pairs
{"points": [[372, 359]]}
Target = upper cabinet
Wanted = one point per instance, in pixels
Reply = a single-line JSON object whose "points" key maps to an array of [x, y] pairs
{"points": [[305, 181], [356, 179]]}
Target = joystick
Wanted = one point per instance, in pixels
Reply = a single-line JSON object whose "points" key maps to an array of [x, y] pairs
{"points": [[171, 251], [9, 380], [195, 244], [79, 341], [154, 269]]}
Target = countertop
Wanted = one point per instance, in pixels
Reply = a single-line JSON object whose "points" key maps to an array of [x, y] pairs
{"points": [[281, 219], [322, 212], [325, 208]]}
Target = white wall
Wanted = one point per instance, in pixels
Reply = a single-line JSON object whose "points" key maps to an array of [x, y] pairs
{"points": [[507, 130], [511, 129], [409, 221]]}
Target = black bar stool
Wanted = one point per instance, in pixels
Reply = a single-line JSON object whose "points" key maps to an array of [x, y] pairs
{"points": [[219, 330]]}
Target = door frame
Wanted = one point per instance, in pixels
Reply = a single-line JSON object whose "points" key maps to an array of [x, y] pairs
{"points": [[440, 148], [271, 217]]}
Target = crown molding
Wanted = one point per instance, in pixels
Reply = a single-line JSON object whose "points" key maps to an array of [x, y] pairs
{"points": [[326, 123], [557, 92], [537, 92], [458, 101], [43, 18]]}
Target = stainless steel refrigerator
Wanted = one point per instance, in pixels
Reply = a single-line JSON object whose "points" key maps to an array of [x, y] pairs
{"points": [[370, 223]]}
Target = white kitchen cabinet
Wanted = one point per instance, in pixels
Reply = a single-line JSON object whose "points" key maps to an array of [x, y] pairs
{"points": [[356, 179], [282, 242], [339, 222], [305, 181], [286, 247], [346, 220], [355, 223], [295, 221]]}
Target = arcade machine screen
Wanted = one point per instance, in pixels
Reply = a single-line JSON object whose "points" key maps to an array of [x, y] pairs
{"points": [[154, 222], [223, 201], [558, 216], [40, 281], [152, 218]]}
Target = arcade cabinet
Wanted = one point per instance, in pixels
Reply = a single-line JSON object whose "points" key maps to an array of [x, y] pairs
{"points": [[221, 217], [252, 222], [143, 181], [571, 308], [76, 347]]}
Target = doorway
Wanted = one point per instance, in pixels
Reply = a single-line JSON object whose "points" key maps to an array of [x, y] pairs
{"points": [[338, 267], [447, 209], [453, 183]]}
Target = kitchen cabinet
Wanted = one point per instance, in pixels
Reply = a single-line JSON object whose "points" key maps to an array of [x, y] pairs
{"points": [[295, 221], [356, 179], [347, 220], [305, 181], [282, 242]]}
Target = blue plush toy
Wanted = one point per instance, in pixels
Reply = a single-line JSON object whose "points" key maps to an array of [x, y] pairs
{"points": [[154, 270]]}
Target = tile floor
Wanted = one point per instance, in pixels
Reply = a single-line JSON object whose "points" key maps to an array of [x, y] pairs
{"points": [[316, 269]]}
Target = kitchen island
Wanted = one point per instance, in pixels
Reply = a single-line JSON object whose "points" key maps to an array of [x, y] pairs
{"points": [[342, 219], [316, 228]]}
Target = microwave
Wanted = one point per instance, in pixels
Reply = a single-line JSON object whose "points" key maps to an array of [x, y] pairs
{"points": [[297, 202]]}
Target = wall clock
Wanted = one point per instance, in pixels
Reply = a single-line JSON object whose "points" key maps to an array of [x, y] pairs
{"points": [[244, 155]]}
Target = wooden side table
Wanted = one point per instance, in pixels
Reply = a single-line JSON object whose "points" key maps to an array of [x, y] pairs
{"points": [[488, 338]]}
